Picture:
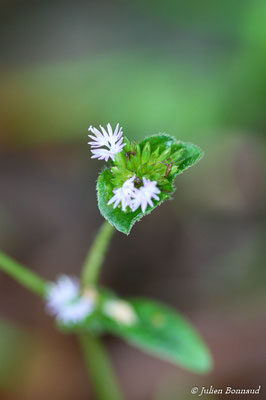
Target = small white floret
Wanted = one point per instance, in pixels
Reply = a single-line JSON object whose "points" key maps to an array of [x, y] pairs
{"points": [[75, 311], [121, 311], [143, 196], [63, 300], [123, 194], [106, 144]]}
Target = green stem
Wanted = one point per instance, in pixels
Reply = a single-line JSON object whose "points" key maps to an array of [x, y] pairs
{"points": [[22, 275], [99, 366], [95, 257], [100, 369]]}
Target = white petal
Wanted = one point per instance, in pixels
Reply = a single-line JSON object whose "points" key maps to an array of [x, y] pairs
{"points": [[143, 206], [110, 130]]}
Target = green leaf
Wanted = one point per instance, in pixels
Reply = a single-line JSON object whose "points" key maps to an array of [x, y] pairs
{"points": [[163, 332], [148, 325], [184, 156]]}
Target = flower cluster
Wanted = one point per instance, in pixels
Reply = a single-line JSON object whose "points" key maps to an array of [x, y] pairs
{"points": [[120, 311], [106, 144], [65, 302], [144, 195], [136, 190], [129, 195]]}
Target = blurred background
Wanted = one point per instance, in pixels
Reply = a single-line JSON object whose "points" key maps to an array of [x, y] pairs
{"points": [[195, 70]]}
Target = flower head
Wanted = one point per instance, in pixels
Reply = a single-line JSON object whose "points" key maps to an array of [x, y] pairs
{"points": [[144, 195], [123, 194], [65, 302], [106, 144], [121, 311]]}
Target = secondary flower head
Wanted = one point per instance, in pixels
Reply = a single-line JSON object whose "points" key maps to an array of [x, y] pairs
{"points": [[130, 196], [123, 194], [65, 302], [106, 144], [143, 196], [121, 311]]}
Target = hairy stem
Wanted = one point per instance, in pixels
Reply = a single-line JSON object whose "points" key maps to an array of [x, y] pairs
{"points": [[100, 369], [22, 275], [95, 257]]}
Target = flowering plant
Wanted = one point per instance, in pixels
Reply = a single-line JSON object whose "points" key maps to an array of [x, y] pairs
{"points": [[137, 178], [140, 176]]}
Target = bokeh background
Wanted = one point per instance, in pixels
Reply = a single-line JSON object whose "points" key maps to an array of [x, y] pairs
{"points": [[193, 69]]}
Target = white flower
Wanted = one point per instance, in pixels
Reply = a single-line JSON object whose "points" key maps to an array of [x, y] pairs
{"points": [[65, 302], [124, 194], [144, 195], [130, 196], [121, 311], [106, 144], [75, 311]]}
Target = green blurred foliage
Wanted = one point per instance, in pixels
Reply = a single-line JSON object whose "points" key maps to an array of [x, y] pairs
{"points": [[145, 95], [210, 80], [15, 346]]}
